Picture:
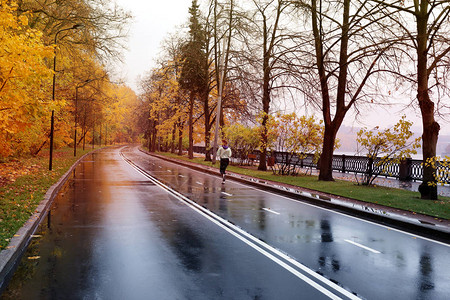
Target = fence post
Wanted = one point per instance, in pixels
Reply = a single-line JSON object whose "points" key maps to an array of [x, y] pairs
{"points": [[343, 163], [405, 169], [370, 167]]}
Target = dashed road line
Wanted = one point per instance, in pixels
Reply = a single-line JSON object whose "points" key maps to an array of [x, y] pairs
{"points": [[328, 288], [271, 211], [362, 246]]}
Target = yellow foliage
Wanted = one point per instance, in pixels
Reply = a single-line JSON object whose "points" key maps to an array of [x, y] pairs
{"points": [[442, 167], [24, 78], [386, 147], [297, 135], [393, 144]]}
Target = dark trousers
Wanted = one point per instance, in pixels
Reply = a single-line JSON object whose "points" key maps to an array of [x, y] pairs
{"points": [[223, 165]]}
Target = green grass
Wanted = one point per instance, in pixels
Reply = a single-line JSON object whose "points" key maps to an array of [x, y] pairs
{"points": [[19, 199], [391, 197]]}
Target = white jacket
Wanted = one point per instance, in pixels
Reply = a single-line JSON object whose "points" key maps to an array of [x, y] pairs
{"points": [[224, 153]]}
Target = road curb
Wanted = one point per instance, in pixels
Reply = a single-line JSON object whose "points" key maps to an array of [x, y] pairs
{"points": [[423, 225], [10, 256]]}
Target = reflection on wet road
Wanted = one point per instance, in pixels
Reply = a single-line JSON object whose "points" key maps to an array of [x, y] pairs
{"points": [[114, 234]]}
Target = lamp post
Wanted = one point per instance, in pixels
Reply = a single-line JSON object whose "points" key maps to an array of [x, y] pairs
{"points": [[219, 103], [52, 124]]}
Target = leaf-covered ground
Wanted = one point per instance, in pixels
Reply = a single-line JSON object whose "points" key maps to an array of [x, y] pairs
{"points": [[23, 184]]}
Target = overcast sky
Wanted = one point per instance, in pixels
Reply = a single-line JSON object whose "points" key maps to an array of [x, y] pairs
{"points": [[153, 21]]}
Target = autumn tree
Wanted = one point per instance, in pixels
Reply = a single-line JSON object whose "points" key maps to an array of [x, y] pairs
{"points": [[172, 62], [242, 139], [266, 28], [295, 137], [104, 23], [348, 43], [425, 26], [22, 74], [384, 148], [100, 30]]}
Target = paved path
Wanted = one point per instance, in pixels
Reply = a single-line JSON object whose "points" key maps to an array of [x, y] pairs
{"points": [[150, 229]]}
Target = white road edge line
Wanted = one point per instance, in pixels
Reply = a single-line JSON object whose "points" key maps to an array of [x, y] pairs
{"points": [[253, 241], [272, 211], [362, 246], [348, 216], [227, 194], [336, 212]]}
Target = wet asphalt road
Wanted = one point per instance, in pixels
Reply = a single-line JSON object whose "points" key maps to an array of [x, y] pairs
{"points": [[114, 234]]}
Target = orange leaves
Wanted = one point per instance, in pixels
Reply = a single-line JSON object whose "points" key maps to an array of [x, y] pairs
{"points": [[10, 171], [22, 74]]}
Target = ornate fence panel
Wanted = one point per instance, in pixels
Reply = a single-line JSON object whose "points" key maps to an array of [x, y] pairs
{"points": [[443, 173], [416, 170], [410, 169]]}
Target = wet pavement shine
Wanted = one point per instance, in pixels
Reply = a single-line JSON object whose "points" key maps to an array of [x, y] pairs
{"points": [[114, 233]]}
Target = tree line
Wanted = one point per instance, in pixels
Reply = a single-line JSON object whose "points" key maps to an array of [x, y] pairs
{"points": [[55, 56], [330, 57]]}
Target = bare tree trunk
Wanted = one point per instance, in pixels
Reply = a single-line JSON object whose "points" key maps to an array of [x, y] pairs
{"points": [[266, 104], [207, 127], [149, 135], [430, 126], [154, 135], [84, 130], [191, 126], [180, 138], [174, 131], [331, 125], [266, 99], [42, 146]]}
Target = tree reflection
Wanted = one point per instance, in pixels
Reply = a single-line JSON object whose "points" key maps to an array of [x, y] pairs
{"points": [[325, 258], [425, 276]]}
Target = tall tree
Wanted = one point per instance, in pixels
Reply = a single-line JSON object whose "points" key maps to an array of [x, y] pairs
{"points": [[263, 39], [428, 36], [193, 76], [348, 44]]}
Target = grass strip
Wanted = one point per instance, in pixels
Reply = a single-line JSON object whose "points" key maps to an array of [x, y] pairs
{"points": [[391, 197], [20, 198]]}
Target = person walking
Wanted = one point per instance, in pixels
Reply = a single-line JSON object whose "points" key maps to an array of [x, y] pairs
{"points": [[224, 153]]}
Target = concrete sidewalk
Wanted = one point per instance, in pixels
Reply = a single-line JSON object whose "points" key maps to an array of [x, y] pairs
{"points": [[429, 226]]}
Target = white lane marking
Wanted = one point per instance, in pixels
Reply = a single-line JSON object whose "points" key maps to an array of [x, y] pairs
{"points": [[362, 246], [326, 209], [344, 215], [199, 183], [269, 210], [253, 241], [226, 194]]}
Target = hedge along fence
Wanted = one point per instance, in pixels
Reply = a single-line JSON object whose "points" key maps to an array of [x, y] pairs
{"points": [[407, 170]]}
